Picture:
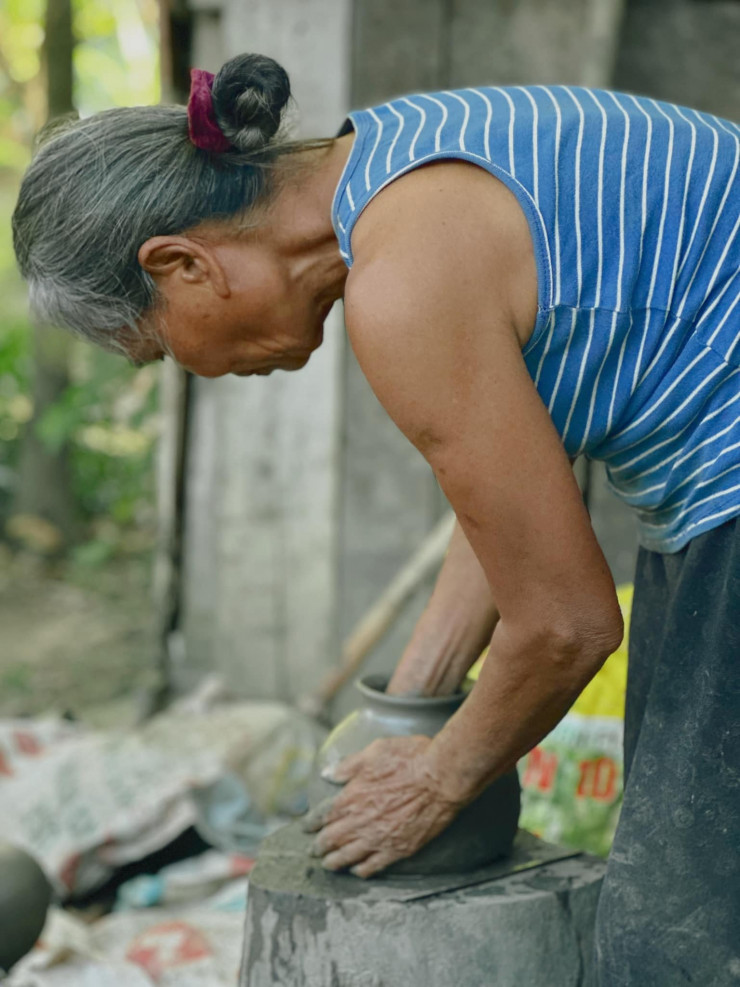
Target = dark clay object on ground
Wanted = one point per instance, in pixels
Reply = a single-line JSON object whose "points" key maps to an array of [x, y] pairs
{"points": [[482, 832], [24, 898]]}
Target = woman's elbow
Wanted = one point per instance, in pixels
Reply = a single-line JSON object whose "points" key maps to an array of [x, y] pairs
{"points": [[584, 642]]}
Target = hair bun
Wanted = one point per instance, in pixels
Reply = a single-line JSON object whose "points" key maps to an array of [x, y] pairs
{"points": [[249, 95]]}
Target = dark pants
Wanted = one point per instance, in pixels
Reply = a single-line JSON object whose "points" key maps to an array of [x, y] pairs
{"points": [[669, 912]]}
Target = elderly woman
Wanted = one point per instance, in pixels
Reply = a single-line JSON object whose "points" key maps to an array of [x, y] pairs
{"points": [[529, 275]]}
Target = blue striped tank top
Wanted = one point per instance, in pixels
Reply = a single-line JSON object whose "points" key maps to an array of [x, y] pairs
{"points": [[634, 211]]}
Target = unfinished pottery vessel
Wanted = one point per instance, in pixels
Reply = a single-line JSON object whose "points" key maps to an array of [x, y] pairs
{"points": [[482, 832]]}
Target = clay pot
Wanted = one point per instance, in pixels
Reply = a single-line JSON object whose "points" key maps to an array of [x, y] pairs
{"points": [[24, 897], [481, 833]]}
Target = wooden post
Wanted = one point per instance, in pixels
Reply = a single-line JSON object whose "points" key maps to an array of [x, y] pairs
{"points": [[174, 391]]}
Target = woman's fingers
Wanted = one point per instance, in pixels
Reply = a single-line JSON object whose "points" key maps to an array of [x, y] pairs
{"points": [[325, 812], [347, 768], [385, 811], [346, 856], [371, 865], [332, 837]]}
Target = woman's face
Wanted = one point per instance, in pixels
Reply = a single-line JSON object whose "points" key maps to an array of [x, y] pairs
{"points": [[232, 307]]}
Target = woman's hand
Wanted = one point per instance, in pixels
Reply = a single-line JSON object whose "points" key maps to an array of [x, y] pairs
{"points": [[392, 804]]}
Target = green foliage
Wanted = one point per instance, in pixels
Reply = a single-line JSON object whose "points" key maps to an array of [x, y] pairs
{"points": [[93, 553], [14, 382], [116, 59], [107, 416], [21, 36], [111, 416], [17, 679], [14, 356]]}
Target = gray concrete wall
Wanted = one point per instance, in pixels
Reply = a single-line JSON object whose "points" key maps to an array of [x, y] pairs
{"points": [[683, 51]]}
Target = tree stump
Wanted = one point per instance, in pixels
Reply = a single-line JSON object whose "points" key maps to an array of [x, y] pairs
{"points": [[524, 922]]}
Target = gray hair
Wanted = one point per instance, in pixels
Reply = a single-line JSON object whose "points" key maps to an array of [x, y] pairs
{"points": [[98, 188]]}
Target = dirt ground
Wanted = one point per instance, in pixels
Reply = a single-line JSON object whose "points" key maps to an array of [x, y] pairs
{"points": [[74, 640]]}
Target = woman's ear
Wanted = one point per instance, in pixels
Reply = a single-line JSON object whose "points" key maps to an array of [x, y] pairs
{"points": [[189, 260]]}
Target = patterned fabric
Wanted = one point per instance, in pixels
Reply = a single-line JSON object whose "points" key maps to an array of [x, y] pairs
{"points": [[634, 210]]}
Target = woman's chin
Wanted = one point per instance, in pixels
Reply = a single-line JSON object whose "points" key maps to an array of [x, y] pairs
{"points": [[294, 363]]}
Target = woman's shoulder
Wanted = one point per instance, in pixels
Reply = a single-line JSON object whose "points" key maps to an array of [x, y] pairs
{"points": [[442, 226]]}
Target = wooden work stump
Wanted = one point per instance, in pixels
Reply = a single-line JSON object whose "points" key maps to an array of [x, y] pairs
{"points": [[524, 922]]}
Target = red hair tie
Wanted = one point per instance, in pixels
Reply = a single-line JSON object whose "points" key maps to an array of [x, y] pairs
{"points": [[203, 129]]}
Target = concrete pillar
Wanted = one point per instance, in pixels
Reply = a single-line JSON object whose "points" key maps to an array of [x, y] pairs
{"points": [[259, 582], [305, 928]]}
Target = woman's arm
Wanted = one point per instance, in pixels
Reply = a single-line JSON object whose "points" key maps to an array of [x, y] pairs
{"points": [[436, 314], [454, 628]]}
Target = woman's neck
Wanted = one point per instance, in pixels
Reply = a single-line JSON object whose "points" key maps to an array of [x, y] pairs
{"points": [[299, 218]]}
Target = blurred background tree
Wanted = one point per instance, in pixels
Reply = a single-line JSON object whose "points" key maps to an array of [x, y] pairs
{"points": [[77, 425], [44, 491]]}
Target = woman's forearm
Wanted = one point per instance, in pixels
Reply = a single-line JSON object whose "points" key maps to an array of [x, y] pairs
{"points": [[527, 683], [453, 630]]}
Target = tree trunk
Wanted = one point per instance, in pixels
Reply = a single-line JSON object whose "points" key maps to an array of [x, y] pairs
{"points": [[175, 391], [44, 488]]}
